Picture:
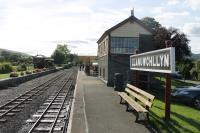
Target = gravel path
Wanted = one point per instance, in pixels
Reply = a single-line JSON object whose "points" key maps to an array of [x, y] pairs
{"points": [[14, 123]]}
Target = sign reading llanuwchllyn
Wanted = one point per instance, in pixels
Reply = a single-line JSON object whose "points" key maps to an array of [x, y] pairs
{"points": [[162, 61]]}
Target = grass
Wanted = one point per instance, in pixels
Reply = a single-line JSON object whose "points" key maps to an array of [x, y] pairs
{"points": [[175, 83], [3, 76], [7, 75], [184, 119]]}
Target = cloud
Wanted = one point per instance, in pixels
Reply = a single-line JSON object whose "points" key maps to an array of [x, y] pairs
{"points": [[70, 41], [34, 25], [171, 15], [194, 4], [194, 43], [168, 17], [192, 29], [78, 41], [92, 39], [158, 10], [173, 2]]}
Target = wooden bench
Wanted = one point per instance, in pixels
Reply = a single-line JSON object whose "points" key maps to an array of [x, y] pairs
{"points": [[139, 100]]}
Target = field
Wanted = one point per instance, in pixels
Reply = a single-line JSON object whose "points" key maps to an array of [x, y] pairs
{"points": [[184, 118], [7, 75], [3, 76]]}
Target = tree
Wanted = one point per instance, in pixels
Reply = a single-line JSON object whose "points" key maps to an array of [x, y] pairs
{"points": [[64, 49], [151, 23], [61, 54], [184, 67], [179, 41], [198, 69], [59, 57], [161, 34], [194, 73]]}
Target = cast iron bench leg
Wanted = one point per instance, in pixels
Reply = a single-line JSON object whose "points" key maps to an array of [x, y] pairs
{"points": [[127, 107], [120, 100]]}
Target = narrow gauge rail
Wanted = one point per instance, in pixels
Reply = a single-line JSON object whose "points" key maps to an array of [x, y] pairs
{"points": [[9, 108], [53, 117]]}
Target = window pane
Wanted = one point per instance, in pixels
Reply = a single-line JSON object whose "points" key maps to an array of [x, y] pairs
{"points": [[124, 45]]}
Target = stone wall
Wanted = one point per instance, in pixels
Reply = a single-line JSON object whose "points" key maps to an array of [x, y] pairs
{"points": [[11, 82]]}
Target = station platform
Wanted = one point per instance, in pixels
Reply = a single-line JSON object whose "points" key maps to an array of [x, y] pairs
{"points": [[96, 109]]}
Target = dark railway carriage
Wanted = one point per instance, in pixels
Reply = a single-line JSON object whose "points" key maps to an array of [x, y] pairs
{"points": [[40, 61]]}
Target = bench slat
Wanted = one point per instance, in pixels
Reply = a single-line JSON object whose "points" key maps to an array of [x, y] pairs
{"points": [[139, 97], [132, 103], [149, 96]]}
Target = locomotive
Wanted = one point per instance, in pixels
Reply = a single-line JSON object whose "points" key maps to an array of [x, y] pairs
{"points": [[40, 61]]}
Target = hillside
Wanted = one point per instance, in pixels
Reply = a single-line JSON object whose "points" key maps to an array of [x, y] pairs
{"points": [[195, 56], [13, 52], [10, 55]]}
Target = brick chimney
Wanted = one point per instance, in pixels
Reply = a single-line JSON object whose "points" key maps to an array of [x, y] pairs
{"points": [[132, 12]]}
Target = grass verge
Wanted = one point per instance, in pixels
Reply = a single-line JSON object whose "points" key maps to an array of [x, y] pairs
{"points": [[3, 76], [184, 119]]}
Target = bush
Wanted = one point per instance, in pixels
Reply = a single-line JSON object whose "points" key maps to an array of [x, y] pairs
{"points": [[22, 73], [14, 74], [28, 72], [38, 70], [34, 71], [5, 68], [67, 66], [22, 67], [14, 63]]}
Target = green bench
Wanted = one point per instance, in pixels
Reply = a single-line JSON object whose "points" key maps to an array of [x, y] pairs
{"points": [[138, 99]]}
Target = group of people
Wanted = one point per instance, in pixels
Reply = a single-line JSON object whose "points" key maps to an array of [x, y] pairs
{"points": [[81, 67]]}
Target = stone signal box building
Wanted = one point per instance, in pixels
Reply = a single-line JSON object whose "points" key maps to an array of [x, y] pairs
{"points": [[117, 44]]}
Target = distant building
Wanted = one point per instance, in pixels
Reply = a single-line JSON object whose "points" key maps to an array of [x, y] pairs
{"points": [[117, 44], [87, 59]]}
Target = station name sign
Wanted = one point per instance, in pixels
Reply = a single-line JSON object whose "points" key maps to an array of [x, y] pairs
{"points": [[162, 61]]}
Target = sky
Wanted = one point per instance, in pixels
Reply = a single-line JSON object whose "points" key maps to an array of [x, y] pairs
{"points": [[37, 26]]}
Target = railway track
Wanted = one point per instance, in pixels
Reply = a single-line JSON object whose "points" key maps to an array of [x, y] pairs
{"points": [[12, 107], [52, 117]]}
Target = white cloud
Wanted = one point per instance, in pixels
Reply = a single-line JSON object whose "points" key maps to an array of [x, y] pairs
{"points": [[193, 32], [171, 15], [173, 2], [32, 26], [192, 29], [194, 43], [168, 17], [194, 4], [36, 26], [158, 10]]}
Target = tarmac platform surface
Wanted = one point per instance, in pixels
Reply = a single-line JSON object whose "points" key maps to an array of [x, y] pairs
{"points": [[97, 109]]}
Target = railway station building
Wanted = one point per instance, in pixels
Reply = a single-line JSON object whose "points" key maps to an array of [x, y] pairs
{"points": [[117, 44]]}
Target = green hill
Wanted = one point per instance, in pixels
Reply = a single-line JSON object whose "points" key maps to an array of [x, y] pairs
{"points": [[13, 52], [195, 56], [9, 55]]}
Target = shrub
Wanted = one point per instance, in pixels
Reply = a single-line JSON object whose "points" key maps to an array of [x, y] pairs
{"points": [[22, 67], [14, 63], [22, 73], [14, 74], [38, 70], [28, 72], [34, 71], [67, 66], [5, 68]]}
